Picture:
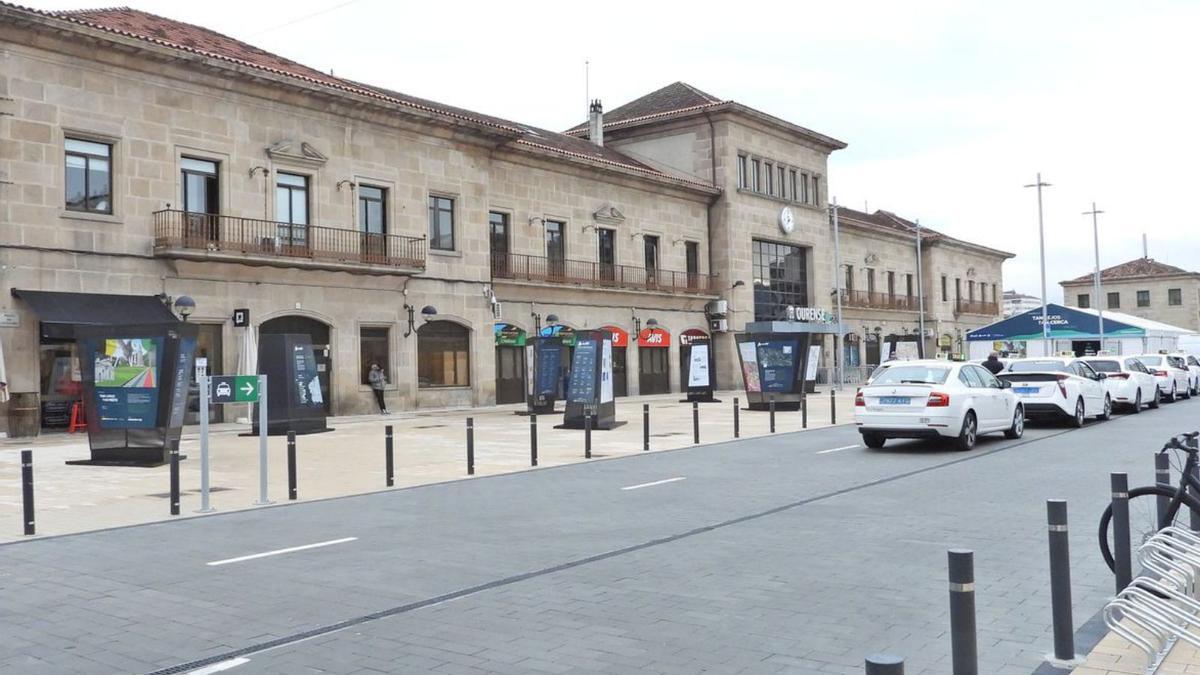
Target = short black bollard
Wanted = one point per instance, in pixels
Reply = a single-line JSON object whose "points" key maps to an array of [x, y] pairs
{"points": [[645, 426], [388, 458], [532, 439], [695, 423], [175, 478], [587, 436], [1120, 529], [291, 456], [771, 407], [804, 420], [27, 490], [964, 655], [832, 407], [470, 446], [1162, 476], [884, 664], [1060, 585], [736, 426]]}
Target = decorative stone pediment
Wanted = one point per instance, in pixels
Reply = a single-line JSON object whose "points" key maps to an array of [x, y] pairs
{"points": [[608, 215], [871, 259], [295, 152]]}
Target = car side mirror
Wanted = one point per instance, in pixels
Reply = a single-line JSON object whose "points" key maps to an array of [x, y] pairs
{"points": [[1101, 376], [1005, 384]]}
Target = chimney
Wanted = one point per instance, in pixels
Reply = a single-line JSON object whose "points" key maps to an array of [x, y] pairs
{"points": [[596, 123]]}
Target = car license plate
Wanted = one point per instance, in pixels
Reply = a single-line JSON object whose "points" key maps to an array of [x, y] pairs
{"points": [[894, 400], [1026, 390]]}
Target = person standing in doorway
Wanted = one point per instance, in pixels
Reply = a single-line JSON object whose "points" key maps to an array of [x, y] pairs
{"points": [[378, 381]]}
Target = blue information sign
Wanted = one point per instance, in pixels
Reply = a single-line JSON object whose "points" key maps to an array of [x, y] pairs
{"points": [[777, 362], [582, 388], [549, 356]]}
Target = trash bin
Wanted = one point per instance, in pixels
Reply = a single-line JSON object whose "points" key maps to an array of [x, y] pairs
{"points": [[23, 420]]}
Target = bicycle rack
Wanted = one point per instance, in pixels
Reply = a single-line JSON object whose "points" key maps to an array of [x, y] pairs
{"points": [[1155, 613]]}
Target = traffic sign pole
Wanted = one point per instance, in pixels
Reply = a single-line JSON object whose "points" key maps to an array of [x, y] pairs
{"points": [[262, 441], [205, 382]]}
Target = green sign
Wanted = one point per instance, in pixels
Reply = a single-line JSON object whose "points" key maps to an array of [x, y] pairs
{"points": [[508, 335], [235, 389]]}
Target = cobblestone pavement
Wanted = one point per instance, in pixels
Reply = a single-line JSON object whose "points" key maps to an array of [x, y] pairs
{"points": [[790, 553]]}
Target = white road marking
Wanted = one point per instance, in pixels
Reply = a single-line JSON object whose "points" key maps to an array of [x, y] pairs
{"points": [[657, 482], [281, 551], [844, 447], [221, 666]]}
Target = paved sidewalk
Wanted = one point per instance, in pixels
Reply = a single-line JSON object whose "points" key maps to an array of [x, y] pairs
{"points": [[1116, 656], [430, 447]]}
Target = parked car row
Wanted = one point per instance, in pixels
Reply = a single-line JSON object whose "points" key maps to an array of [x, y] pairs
{"points": [[930, 398]]}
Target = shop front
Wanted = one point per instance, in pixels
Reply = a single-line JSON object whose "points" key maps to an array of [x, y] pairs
{"points": [[654, 376], [510, 363]]}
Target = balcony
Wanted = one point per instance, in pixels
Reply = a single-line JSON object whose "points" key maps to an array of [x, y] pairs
{"points": [[971, 307], [197, 236], [541, 269], [873, 300]]}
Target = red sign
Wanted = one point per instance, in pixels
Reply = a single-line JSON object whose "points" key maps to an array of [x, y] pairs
{"points": [[620, 338], [693, 336], [654, 337]]}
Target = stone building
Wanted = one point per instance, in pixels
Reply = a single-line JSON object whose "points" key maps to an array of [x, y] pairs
{"points": [[1142, 287], [146, 159]]}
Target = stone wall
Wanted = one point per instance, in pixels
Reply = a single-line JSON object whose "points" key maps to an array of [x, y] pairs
{"points": [[1184, 315]]}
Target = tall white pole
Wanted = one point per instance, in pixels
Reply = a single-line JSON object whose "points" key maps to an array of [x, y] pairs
{"points": [[1096, 238], [920, 297], [1046, 347], [839, 365]]}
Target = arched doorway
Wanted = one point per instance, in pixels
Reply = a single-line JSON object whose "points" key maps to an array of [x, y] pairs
{"points": [[318, 333]]}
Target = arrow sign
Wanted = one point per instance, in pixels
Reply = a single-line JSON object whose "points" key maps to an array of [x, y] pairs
{"points": [[235, 389], [246, 390]]}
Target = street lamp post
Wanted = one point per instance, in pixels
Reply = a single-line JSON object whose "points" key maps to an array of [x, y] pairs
{"points": [[839, 365], [1096, 275], [1042, 250]]}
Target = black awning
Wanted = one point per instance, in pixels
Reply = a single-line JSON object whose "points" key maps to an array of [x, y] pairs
{"points": [[59, 313]]}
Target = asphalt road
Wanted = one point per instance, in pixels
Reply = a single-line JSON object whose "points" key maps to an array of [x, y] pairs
{"points": [[794, 553]]}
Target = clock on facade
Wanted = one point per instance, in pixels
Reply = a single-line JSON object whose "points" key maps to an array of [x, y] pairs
{"points": [[787, 222]]}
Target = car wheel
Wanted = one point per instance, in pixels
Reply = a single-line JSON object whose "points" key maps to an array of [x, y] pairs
{"points": [[1018, 425], [968, 433], [1174, 393], [1107, 413], [1137, 403], [1157, 400], [873, 440], [1078, 419]]}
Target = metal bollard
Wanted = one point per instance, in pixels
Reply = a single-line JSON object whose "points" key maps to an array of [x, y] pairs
{"points": [[388, 459], [470, 446], [587, 436], [736, 426], [27, 490], [291, 456], [964, 655], [804, 425], [771, 406], [884, 664], [1060, 585], [695, 423], [1162, 476], [1120, 530], [174, 455], [645, 426], [532, 439], [832, 407]]}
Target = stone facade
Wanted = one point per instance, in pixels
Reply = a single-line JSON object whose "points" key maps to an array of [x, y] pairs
{"points": [[1158, 290]]}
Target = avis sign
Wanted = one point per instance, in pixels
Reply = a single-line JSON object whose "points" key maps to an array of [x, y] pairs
{"points": [[235, 389], [654, 337]]}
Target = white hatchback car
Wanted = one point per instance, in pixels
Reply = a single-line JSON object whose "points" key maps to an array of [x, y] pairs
{"points": [[1127, 381], [1059, 387], [936, 399], [1171, 373]]}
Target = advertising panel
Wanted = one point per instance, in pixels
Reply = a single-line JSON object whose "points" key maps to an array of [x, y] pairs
{"points": [[549, 368], [698, 366], [814, 357], [777, 364], [582, 386], [606, 372], [749, 353], [127, 381]]}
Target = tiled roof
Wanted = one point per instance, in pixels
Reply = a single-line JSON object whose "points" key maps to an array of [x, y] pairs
{"points": [[1134, 269], [674, 97], [886, 220], [205, 42]]}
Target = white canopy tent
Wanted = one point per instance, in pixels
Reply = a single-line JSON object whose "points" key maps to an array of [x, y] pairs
{"points": [[1158, 335]]}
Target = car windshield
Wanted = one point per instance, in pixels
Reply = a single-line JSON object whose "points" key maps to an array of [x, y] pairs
{"points": [[913, 375], [1105, 366], [1037, 367], [1151, 360]]}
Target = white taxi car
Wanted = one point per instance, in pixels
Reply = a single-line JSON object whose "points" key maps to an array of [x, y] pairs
{"points": [[1193, 366], [1127, 381], [930, 398], [1171, 373], [1059, 387]]}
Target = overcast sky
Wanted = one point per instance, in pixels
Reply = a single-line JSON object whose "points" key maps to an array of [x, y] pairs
{"points": [[949, 107]]}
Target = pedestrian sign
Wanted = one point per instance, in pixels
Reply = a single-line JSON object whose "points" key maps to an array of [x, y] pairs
{"points": [[235, 389]]}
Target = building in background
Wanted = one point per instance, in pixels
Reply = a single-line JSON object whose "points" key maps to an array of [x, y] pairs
{"points": [[1015, 303], [1141, 287]]}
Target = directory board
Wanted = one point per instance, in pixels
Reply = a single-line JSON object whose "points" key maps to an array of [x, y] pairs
{"points": [[582, 387]]}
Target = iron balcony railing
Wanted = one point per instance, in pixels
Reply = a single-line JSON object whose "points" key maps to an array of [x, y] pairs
{"points": [[521, 267], [970, 307], [175, 229], [876, 300]]}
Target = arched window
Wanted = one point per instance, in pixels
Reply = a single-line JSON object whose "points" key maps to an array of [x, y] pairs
{"points": [[443, 355]]}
